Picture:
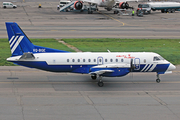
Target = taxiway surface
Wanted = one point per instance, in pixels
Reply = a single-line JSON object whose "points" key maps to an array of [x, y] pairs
{"points": [[30, 94], [48, 22], [33, 94]]}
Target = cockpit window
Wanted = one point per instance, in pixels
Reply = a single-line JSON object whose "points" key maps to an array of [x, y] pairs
{"points": [[158, 58]]}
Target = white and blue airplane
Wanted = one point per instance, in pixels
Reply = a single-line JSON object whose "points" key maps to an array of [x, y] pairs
{"points": [[96, 64]]}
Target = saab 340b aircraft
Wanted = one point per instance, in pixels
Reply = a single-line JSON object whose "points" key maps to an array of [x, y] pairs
{"points": [[96, 64]]}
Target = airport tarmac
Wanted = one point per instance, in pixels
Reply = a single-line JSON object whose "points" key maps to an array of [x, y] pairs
{"points": [[31, 94], [48, 22]]}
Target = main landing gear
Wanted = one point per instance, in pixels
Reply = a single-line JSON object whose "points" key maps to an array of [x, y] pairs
{"points": [[158, 80], [89, 9], [100, 82]]}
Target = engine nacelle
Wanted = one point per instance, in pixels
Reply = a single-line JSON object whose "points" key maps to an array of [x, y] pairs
{"points": [[78, 5], [123, 5]]}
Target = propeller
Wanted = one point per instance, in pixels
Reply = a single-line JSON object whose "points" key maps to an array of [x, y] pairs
{"points": [[131, 65], [131, 68]]}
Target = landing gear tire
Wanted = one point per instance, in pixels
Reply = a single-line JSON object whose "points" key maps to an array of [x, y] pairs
{"points": [[90, 12], [173, 10], [158, 80], [169, 10], [93, 77], [116, 12], [100, 84]]}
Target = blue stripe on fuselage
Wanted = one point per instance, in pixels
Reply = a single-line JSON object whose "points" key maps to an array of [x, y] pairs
{"points": [[158, 68], [161, 68], [55, 68], [79, 68]]}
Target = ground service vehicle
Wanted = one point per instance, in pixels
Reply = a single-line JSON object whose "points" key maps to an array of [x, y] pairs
{"points": [[165, 7], [145, 8], [9, 5], [63, 3]]}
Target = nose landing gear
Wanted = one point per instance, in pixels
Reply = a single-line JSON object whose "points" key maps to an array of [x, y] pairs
{"points": [[158, 80]]}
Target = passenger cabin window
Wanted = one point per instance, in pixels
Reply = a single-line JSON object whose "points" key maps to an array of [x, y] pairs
{"points": [[105, 60], [111, 60], [73, 60], [89, 60], [84, 60], [94, 60], [67, 60], [116, 60], [78, 60], [122, 60]]}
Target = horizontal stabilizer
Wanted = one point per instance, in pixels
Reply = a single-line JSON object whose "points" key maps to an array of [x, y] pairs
{"points": [[26, 56]]}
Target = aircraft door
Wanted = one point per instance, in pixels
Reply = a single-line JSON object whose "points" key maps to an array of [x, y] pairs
{"points": [[100, 60], [136, 64]]}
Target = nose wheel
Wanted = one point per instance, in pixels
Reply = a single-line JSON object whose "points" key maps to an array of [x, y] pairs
{"points": [[158, 80]]}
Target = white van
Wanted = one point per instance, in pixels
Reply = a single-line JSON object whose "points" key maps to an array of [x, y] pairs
{"points": [[63, 3], [9, 5]]}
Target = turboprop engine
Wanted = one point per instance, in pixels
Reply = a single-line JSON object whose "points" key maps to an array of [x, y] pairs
{"points": [[78, 5], [123, 5]]}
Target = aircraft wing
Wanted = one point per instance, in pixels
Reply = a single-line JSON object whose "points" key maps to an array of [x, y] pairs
{"points": [[100, 72], [108, 68], [90, 1], [109, 1], [128, 0]]}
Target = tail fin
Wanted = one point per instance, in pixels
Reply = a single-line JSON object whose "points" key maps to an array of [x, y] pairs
{"points": [[20, 44]]}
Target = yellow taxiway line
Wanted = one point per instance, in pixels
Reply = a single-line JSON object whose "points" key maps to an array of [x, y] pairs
{"points": [[112, 18]]}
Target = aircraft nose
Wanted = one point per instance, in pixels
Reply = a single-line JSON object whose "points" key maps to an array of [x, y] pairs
{"points": [[171, 67]]}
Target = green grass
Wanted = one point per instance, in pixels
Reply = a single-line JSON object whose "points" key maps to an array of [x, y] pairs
{"points": [[5, 51], [51, 43], [167, 48]]}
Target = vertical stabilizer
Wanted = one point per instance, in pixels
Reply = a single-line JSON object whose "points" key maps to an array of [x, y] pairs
{"points": [[19, 43]]}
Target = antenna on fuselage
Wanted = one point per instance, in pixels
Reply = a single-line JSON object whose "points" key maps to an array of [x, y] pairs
{"points": [[108, 51]]}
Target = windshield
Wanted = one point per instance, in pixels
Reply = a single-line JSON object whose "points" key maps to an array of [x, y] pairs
{"points": [[158, 58]]}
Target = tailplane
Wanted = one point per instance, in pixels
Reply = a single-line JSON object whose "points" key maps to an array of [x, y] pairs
{"points": [[20, 43]]}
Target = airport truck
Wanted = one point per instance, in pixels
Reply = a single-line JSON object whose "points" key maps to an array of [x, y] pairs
{"points": [[165, 7], [144, 8]]}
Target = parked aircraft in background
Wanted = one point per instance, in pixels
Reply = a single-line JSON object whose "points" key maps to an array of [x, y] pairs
{"points": [[107, 4], [96, 64]]}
